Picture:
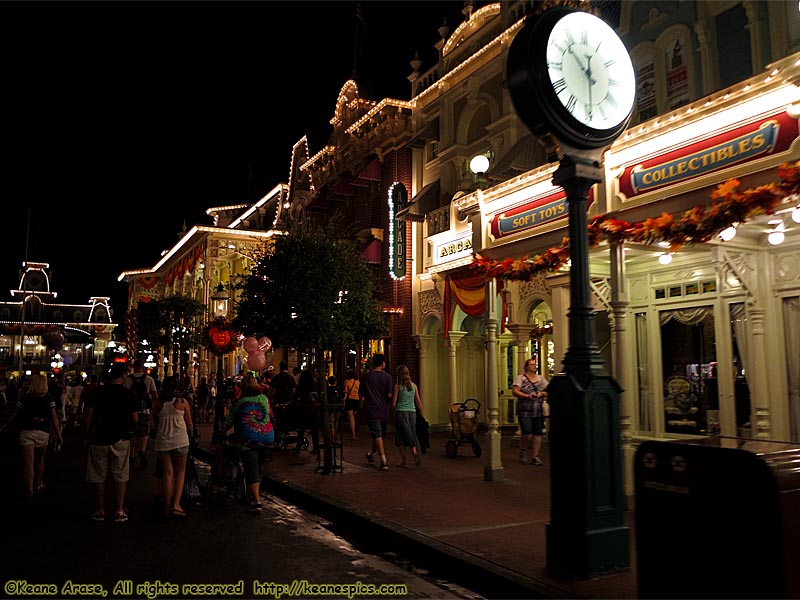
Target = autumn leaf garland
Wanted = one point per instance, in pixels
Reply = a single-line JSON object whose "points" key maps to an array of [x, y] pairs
{"points": [[695, 226]]}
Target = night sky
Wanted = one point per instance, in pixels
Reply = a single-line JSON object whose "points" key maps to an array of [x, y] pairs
{"points": [[123, 120]]}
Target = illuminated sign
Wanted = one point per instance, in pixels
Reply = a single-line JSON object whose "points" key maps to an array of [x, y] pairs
{"points": [[741, 145], [538, 211], [452, 249], [398, 199]]}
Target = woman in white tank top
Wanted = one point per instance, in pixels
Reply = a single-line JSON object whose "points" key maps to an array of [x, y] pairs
{"points": [[173, 418]]}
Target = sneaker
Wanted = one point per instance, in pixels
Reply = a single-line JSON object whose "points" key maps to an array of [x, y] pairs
{"points": [[523, 457], [537, 461], [121, 517], [99, 515], [384, 466], [370, 458], [417, 460], [255, 507]]}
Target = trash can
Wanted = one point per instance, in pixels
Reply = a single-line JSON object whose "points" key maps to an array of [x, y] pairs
{"points": [[718, 517]]}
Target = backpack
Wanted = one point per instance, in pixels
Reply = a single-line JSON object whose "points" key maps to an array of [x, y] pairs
{"points": [[139, 389]]}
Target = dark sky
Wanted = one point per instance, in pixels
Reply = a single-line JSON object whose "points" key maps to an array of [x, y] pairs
{"points": [[123, 120]]}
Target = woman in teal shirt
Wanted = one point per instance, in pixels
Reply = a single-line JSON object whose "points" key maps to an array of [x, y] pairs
{"points": [[406, 404]]}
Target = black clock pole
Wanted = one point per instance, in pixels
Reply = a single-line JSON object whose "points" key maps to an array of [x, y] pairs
{"points": [[586, 535]]}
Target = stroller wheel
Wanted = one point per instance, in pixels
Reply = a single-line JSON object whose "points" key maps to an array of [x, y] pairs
{"points": [[450, 449], [476, 448], [304, 445]]}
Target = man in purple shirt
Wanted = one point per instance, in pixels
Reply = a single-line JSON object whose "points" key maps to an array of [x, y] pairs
{"points": [[376, 389]]}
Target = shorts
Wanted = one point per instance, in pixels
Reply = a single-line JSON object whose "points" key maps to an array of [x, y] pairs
{"points": [[252, 461], [377, 429], [142, 428], [34, 437], [104, 458], [176, 452], [531, 425], [351, 404]]}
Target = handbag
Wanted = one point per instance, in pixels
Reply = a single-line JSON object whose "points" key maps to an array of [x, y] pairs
{"points": [[545, 408]]}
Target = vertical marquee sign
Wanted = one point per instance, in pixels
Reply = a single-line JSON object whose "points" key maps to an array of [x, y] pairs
{"points": [[398, 199]]}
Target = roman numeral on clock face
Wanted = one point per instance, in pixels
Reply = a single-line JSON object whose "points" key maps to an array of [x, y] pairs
{"points": [[559, 86], [571, 103]]}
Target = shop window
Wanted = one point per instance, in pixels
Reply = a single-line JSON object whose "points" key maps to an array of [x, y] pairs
{"points": [[688, 359], [741, 361], [733, 46]]}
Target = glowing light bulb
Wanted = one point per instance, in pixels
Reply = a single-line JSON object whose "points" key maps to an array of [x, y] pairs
{"points": [[665, 258], [728, 233], [776, 237], [479, 164]]}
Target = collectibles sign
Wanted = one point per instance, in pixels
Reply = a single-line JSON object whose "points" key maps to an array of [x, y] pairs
{"points": [[734, 147], [531, 214]]}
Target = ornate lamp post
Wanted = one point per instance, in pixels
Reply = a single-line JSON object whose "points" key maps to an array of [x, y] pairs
{"points": [[220, 304], [572, 83]]}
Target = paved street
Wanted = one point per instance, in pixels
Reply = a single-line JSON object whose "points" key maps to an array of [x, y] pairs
{"points": [[55, 542]]}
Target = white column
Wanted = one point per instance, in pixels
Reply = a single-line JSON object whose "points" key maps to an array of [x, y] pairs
{"points": [[760, 418], [623, 362], [522, 337], [453, 340], [493, 470], [427, 385]]}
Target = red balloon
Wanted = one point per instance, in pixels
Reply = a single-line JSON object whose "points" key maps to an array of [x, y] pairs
{"points": [[264, 344], [256, 361]]}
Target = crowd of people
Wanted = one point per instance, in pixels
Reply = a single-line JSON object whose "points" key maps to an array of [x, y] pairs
{"points": [[122, 412]]}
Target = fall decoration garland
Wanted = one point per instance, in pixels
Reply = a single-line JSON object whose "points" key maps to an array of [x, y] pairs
{"points": [[539, 331], [695, 226], [220, 337]]}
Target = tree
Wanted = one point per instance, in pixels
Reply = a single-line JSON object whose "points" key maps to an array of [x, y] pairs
{"points": [[311, 291], [174, 323]]}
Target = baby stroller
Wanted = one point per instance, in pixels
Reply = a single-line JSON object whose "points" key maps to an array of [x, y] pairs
{"points": [[193, 490], [464, 422], [287, 419], [226, 480]]}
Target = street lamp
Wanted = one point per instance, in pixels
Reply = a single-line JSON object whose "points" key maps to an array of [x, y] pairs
{"points": [[220, 302], [479, 165]]}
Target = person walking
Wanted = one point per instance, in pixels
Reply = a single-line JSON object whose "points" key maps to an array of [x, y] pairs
{"points": [[307, 408], [110, 417], [251, 419], [202, 397], [376, 388], [172, 414], [37, 419], [144, 388], [529, 389], [352, 400], [406, 404]]}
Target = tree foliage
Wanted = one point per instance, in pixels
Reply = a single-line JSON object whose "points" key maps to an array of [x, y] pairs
{"points": [[173, 323], [310, 290]]}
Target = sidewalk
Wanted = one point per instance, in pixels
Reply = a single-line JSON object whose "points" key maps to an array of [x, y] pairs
{"points": [[488, 535]]}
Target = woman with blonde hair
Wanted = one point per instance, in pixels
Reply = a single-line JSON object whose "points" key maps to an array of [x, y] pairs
{"points": [[37, 418], [406, 404]]}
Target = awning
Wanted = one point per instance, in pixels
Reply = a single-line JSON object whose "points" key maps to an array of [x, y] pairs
{"points": [[528, 153], [426, 200], [372, 252]]}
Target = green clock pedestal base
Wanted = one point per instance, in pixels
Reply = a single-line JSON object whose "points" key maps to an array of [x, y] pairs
{"points": [[586, 535]]}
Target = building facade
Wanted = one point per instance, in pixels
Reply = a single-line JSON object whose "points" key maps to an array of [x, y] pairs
{"points": [[38, 334]]}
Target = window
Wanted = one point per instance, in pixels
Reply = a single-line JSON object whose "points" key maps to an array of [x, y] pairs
{"points": [[733, 46]]}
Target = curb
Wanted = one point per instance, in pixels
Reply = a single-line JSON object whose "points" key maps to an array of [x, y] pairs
{"points": [[489, 579]]}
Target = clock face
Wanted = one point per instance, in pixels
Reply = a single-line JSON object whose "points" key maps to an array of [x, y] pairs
{"points": [[590, 71]]}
